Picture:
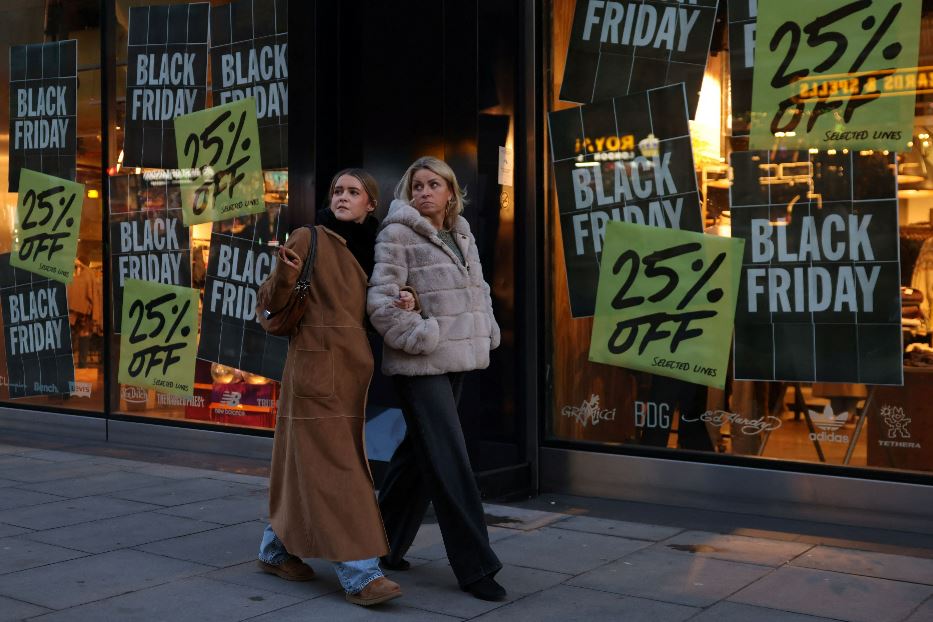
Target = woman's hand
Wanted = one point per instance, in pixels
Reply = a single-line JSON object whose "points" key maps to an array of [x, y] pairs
{"points": [[405, 301], [289, 257]]}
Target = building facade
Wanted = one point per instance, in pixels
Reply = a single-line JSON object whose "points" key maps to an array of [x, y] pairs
{"points": [[513, 95]]}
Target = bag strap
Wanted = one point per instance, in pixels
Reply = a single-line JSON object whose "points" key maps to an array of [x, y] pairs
{"points": [[303, 283], [307, 269]]}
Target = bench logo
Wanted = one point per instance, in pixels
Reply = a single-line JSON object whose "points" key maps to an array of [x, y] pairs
{"points": [[589, 413], [828, 423]]}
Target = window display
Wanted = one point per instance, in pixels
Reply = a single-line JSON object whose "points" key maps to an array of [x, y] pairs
{"points": [[831, 332]]}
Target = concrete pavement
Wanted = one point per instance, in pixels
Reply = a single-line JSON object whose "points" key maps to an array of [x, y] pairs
{"points": [[88, 534]]}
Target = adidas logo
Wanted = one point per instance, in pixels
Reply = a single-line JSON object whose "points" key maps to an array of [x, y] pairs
{"points": [[828, 423]]}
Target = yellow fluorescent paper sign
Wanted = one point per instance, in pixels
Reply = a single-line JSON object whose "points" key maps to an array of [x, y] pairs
{"points": [[666, 302], [835, 74]]}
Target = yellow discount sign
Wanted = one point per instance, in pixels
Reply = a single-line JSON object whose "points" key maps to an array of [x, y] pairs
{"points": [[666, 302], [836, 74], [220, 146], [48, 216], [159, 340]]}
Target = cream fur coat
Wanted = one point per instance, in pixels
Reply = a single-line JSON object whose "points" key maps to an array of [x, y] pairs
{"points": [[456, 328]]}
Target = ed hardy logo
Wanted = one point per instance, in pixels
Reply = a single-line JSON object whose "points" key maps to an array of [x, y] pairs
{"points": [[896, 421], [589, 412], [828, 423]]}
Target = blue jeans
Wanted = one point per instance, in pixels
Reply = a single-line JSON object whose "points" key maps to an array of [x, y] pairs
{"points": [[354, 576]]}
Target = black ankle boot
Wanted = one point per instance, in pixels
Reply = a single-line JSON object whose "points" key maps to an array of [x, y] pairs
{"points": [[401, 564], [486, 589]]}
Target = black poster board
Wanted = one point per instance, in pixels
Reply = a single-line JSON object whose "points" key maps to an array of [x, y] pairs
{"points": [[166, 77], [628, 158], [36, 333], [621, 47], [819, 296], [43, 109], [249, 58], [743, 17], [148, 239], [243, 253]]}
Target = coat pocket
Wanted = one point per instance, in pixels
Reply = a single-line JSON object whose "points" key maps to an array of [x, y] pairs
{"points": [[313, 374]]}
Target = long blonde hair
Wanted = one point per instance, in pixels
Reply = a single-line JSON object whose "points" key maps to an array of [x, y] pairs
{"points": [[442, 170]]}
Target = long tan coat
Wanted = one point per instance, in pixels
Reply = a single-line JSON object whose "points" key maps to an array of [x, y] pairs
{"points": [[321, 500]]}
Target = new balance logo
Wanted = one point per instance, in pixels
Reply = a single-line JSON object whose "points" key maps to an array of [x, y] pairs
{"points": [[828, 423], [231, 398]]}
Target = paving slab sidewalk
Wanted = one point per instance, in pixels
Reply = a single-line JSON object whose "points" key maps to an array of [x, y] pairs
{"points": [[86, 537]]}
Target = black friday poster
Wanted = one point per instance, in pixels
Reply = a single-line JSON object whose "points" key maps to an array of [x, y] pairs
{"points": [[249, 58], [43, 110], [625, 46], [819, 296], [628, 158], [148, 239], [242, 255], [743, 16], [166, 77], [36, 333]]}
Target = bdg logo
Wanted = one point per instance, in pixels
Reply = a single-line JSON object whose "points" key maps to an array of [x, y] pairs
{"points": [[828, 423], [589, 413], [897, 424], [651, 415]]}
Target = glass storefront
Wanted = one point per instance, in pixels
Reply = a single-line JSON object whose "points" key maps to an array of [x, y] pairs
{"points": [[132, 205], [817, 384]]}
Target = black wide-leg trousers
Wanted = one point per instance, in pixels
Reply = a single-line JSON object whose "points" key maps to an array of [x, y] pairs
{"points": [[431, 465]]}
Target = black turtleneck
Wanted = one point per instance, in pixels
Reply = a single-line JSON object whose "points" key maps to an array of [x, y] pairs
{"points": [[360, 237]]}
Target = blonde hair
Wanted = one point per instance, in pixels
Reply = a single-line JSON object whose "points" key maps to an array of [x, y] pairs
{"points": [[442, 170], [367, 180]]}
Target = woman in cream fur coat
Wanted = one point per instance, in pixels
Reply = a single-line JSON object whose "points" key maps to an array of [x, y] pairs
{"points": [[425, 245]]}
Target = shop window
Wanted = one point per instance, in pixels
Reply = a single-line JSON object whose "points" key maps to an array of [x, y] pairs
{"points": [[823, 389], [57, 48]]}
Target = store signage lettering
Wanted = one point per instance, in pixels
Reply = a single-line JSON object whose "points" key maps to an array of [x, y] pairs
{"points": [[223, 142], [824, 74], [829, 425], [812, 288], [820, 299], [138, 241], [666, 301], [37, 335], [157, 347], [166, 77], [267, 63], [640, 24], [32, 129], [249, 59], [651, 415], [896, 423], [589, 412], [162, 104], [27, 334], [43, 110], [748, 427], [621, 47], [48, 216], [652, 182], [239, 277]]}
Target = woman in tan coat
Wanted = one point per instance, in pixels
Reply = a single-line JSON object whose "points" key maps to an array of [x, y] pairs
{"points": [[321, 500]]}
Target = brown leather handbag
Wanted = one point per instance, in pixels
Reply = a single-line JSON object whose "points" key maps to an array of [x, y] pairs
{"points": [[284, 321]]}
